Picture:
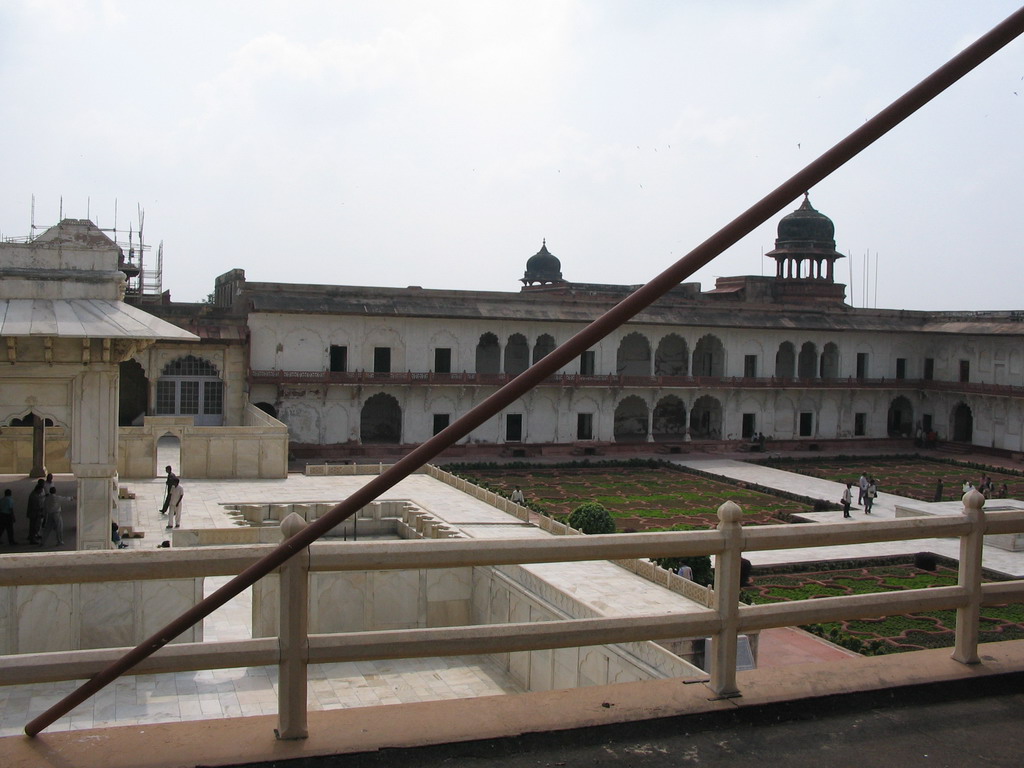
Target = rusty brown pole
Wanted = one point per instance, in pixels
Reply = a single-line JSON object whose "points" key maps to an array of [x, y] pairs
{"points": [[745, 223]]}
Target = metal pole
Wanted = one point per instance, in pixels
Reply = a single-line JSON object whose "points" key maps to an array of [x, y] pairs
{"points": [[746, 222]]}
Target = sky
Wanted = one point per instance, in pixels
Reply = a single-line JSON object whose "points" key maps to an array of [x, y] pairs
{"points": [[439, 143]]}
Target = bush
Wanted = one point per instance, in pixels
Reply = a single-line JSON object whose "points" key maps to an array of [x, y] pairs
{"points": [[592, 517]]}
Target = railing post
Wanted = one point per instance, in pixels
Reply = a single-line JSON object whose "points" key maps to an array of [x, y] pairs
{"points": [[969, 578], [293, 638], [727, 601]]}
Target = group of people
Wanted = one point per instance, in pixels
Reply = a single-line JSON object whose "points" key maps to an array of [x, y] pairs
{"points": [[45, 513], [987, 488], [867, 490]]}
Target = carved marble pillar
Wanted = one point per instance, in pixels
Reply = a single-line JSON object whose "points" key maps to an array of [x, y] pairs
{"points": [[94, 452]]}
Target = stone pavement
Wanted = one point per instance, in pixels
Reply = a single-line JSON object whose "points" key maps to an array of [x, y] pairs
{"points": [[1010, 563]]}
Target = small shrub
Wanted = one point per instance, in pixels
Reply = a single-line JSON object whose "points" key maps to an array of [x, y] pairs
{"points": [[591, 517], [926, 561]]}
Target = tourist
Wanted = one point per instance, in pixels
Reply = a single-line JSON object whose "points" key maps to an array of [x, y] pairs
{"points": [[968, 485], [847, 498], [869, 495], [938, 490], [1003, 492], [862, 484], [7, 516], [115, 536], [48, 483], [167, 490], [517, 496], [36, 510], [53, 519], [174, 497], [685, 571]]}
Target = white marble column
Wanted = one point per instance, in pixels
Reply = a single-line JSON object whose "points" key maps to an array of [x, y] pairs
{"points": [[94, 452]]}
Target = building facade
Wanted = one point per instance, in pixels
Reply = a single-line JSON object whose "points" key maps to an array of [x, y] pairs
{"points": [[364, 370]]}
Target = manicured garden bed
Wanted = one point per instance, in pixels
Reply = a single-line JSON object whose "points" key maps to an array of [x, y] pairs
{"points": [[889, 634], [915, 478], [641, 496]]}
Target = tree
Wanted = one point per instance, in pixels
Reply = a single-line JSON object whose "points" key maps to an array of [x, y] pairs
{"points": [[591, 517]]}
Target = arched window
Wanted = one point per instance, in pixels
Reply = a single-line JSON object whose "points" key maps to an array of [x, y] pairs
{"points": [[191, 386]]}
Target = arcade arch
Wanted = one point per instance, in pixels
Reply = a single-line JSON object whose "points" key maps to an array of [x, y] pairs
{"points": [[672, 356], [709, 357], [631, 420], [634, 356]]}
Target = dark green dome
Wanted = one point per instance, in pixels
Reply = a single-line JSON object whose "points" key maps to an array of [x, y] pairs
{"points": [[806, 225], [543, 267]]}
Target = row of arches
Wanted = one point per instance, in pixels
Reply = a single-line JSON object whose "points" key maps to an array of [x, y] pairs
{"points": [[380, 420], [671, 357]]}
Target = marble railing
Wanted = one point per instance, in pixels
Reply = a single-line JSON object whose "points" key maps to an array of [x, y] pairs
{"points": [[723, 622]]}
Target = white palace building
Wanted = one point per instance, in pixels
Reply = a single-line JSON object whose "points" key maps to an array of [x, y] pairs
{"points": [[341, 372], [369, 371]]}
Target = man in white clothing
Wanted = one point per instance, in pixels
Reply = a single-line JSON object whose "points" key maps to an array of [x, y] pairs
{"points": [[174, 497]]}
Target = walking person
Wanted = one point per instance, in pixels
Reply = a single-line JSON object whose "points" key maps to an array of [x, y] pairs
{"points": [[169, 482], [7, 516], [53, 518], [862, 485], [847, 499], [174, 497], [36, 500]]}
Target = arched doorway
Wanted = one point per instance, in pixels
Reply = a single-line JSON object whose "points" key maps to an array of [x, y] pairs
{"points": [[168, 454], [634, 356], [631, 420], [706, 419], [191, 386], [785, 361], [517, 354], [669, 422], [488, 354], [900, 420], [672, 356], [380, 421], [963, 423]]}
